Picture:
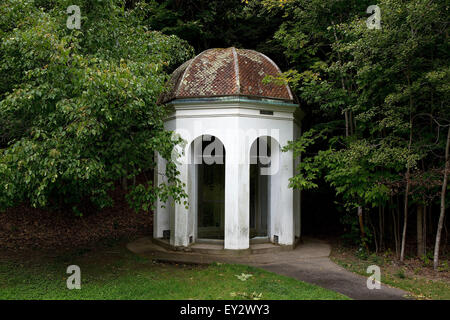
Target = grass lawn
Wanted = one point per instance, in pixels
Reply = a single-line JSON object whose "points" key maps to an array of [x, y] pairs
{"points": [[115, 273], [421, 281]]}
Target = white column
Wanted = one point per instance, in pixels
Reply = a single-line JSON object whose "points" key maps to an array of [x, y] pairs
{"points": [[161, 215], [179, 214], [193, 204], [275, 204], [281, 196], [285, 212], [237, 193]]}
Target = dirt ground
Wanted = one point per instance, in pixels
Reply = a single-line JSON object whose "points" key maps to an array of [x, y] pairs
{"points": [[25, 229]]}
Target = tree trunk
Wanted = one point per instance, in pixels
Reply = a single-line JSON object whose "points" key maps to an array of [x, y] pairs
{"points": [[408, 170], [442, 213], [346, 123], [424, 228], [381, 223], [408, 173], [346, 113], [405, 217], [374, 230], [395, 229], [361, 227], [420, 251]]}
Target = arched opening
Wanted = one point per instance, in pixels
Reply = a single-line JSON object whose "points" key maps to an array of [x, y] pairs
{"points": [[264, 161], [209, 165]]}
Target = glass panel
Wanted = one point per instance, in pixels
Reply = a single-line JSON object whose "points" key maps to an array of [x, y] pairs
{"points": [[211, 196], [259, 197], [253, 197]]}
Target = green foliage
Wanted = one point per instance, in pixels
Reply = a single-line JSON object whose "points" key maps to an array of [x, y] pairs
{"points": [[216, 23], [380, 80], [352, 235], [401, 274], [307, 169], [382, 96], [78, 108], [427, 259]]}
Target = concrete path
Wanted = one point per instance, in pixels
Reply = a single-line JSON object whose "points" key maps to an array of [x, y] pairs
{"points": [[308, 262]]}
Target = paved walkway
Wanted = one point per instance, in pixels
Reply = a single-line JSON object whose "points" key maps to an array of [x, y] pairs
{"points": [[308, 262]]}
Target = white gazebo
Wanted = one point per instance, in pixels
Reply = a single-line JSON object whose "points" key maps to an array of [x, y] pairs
{"points": [[234, 126]]}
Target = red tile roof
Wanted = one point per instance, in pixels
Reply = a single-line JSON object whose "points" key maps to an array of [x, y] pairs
{"points": [[226, 72]]}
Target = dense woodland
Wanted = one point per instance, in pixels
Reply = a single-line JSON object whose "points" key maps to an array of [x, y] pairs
{"points": [[78, 108]]}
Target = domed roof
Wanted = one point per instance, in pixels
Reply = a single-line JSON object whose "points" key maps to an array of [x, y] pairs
{"points": [[226, 72]]}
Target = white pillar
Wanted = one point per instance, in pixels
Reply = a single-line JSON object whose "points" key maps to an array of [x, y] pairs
{"points": [[275, 204], [286, 201], [281, 196], [180, 215], [161, 215], [192, 188], [237, 193]]}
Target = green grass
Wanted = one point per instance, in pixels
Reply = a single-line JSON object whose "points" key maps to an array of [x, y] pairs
{"points": [[419, 287], [115, 273]]}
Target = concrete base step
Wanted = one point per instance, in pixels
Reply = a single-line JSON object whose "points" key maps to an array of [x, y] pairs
{"points": [[217, 248]]}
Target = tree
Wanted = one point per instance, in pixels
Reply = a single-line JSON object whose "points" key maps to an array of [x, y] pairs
{"points": [[80, 112], [377, 93], [209, 24]]}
